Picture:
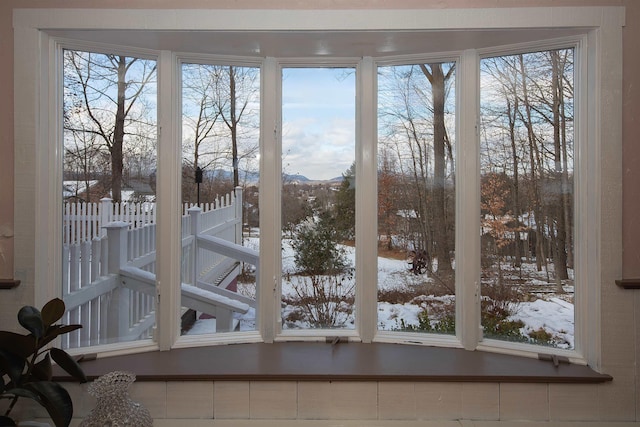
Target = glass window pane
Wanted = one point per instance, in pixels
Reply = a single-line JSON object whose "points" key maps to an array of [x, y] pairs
{"points": [[416, 196], [527, 198], [220, 238], [318, 198], [109, 164]]}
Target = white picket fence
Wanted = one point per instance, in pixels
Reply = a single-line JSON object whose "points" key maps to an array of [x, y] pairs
{"points": [[109, 269], [85, 221]]}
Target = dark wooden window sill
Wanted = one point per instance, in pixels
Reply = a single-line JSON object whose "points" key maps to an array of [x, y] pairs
{"points": [[9, 283], [628, 283], [313, 361]]}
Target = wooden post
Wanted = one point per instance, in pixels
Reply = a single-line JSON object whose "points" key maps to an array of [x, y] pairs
{"points": [[103, 305], [74, 285], [224, 320], [120, 301], [195, 213], [106, 212], [96, 259], [117, 242], [85, 280], [238, 206]]}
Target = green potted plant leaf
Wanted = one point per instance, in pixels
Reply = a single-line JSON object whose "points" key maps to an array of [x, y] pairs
{"points": [[26, 368]]}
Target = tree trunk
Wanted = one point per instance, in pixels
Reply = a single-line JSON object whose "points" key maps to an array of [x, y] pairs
{"points": [[536, 167], [442, 251], [567, 192], [233, 126], [515, 185], [118, 134], [559, 253]]}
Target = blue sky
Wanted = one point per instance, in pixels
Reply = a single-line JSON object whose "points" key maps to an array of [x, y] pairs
{"points": [[318, 108]]}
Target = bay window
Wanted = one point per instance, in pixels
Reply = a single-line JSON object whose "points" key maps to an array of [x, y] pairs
{"points": [[441, 191]]}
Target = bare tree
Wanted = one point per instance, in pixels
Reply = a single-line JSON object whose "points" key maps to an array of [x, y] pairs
{"points": [[111, 91], [387, 199], [82, 162], [438, 79], [220, 122], [200, 115], [414, 102], [505, 74], [530, 107], [236, 95]]}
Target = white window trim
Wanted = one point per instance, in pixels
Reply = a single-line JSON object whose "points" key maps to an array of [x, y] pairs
{"points": [[37, 153], [354, 334], [467, 196], [584, 160], [176, 62]]}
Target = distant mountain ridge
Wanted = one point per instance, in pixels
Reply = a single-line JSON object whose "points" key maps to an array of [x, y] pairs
{"points": [[254, 177]]}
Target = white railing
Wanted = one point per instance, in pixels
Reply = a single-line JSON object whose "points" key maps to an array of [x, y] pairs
{"points": [[86, 221], [109, 281]]}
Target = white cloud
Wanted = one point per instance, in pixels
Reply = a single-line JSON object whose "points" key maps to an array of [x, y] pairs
{"points": [[318, 138]]}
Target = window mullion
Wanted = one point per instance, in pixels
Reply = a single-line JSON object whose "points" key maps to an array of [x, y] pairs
{"points": [[468, 202], [49, 163], [270, 215], [168, 252], [366, 200]]}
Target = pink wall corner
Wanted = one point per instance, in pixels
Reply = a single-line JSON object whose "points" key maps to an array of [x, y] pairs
{"points": [[631, 143]]}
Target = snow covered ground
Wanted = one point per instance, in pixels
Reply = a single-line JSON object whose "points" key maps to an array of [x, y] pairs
{"points": [[74, 188], [545, 310]]}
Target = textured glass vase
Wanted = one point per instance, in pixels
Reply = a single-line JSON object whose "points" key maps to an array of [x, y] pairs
{"points": [[114, 407]]}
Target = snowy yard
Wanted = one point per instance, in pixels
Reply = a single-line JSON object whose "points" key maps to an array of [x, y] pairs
{"points": [[544, 310]]}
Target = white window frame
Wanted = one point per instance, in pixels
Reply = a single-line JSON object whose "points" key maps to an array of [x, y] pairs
{"points": [[467, 207], [584, 160], [317, 334], [176, 62], [598, 189]]}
